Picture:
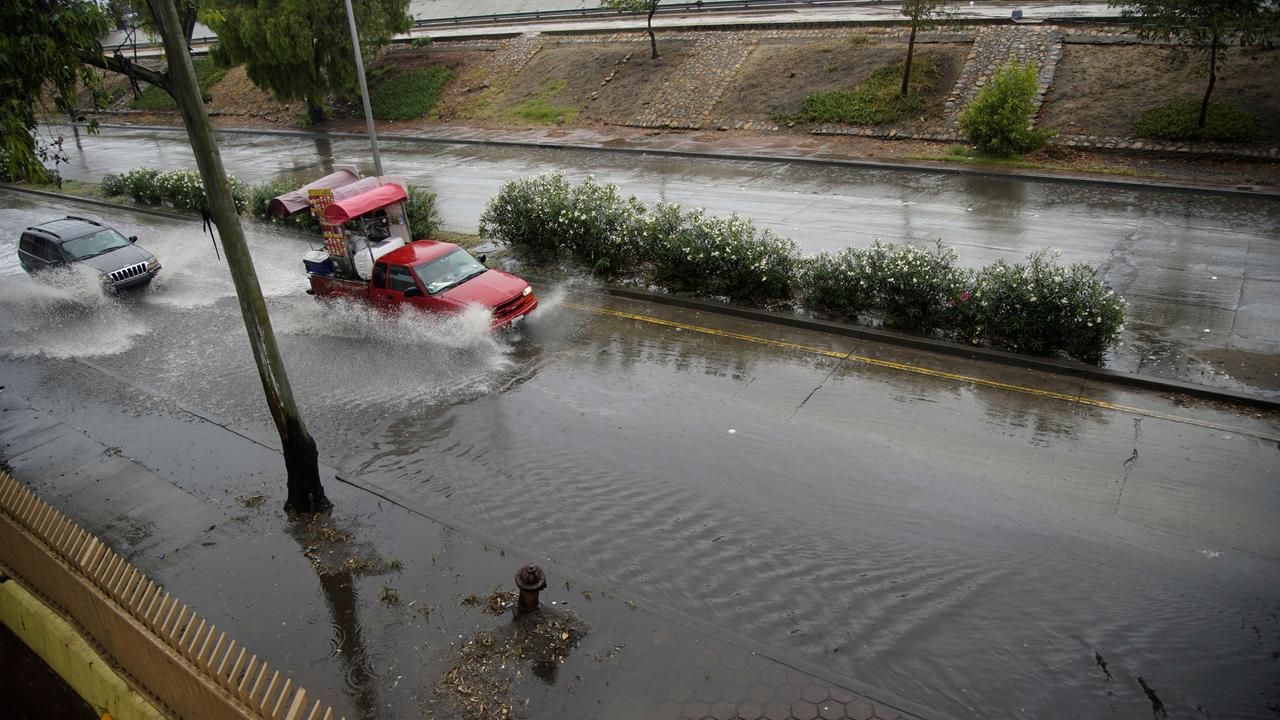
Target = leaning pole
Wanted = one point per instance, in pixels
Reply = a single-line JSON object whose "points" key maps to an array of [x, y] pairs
{"points": [[306, 494]]}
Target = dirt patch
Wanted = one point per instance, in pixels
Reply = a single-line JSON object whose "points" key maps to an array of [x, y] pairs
{"points": [[1102, 89], [565, 75], [638, 80], [235, 94], [422, 58], [778, 76]]}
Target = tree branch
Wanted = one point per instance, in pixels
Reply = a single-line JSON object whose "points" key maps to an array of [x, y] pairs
{"points": [[120, 64]]}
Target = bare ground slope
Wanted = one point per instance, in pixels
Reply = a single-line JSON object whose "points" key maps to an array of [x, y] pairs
{"points": [[780, 74], [1103, 89]]}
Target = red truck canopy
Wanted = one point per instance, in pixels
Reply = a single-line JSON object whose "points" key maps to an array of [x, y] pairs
{"points": [[341, 211]]}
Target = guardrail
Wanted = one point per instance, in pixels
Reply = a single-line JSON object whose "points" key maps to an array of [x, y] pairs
{"points": [[663, 9], [169, 653], [583, 13]]}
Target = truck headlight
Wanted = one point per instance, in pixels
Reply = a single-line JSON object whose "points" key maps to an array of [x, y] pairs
{"points": [[528, 289], [152, 264]]}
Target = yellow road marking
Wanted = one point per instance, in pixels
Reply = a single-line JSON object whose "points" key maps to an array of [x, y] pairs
{"points": [[930, 372]]}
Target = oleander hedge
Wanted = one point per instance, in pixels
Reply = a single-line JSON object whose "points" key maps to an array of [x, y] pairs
{"points": [[1038, 306]]}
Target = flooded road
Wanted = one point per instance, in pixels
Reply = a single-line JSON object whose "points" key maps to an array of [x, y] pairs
{"points": [[1201, 272], [981, 552]]}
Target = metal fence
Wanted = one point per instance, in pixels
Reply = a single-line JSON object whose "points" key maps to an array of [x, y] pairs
{"points": [[183, 663]]}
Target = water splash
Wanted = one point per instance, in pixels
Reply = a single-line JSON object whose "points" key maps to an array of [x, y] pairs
{"points": [[65, 313]]}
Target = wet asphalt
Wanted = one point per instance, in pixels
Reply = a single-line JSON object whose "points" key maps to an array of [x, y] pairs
{"points": [[980, 551], [1201, 271]]}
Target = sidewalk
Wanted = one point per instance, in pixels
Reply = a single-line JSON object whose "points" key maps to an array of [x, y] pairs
{"points": [[195, 505]]}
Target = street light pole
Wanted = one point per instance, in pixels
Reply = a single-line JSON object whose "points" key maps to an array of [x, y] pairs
{"points": [[364, 91]]}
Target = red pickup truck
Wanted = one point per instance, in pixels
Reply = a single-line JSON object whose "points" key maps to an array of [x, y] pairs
{"points": [[435, 277]]}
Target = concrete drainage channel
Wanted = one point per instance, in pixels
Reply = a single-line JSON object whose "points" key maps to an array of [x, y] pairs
{"points": [[122, 642], [943, 347]]}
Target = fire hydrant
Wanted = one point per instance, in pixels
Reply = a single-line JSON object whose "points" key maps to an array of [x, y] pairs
{"points": [[531, 581]]}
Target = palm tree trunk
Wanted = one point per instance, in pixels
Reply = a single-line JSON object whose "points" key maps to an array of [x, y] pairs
{"points": [[306, 494]]}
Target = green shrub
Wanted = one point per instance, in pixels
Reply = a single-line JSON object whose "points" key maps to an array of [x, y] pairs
{"points": [[1041, 307], [836, 282], [421, 42], [113, 186], [724, 256], [1179, 120], [525, 215], [997, 121], [410, 94], [876, 101], [912, 287], [424, 220], [260, 198], [548, 219]]}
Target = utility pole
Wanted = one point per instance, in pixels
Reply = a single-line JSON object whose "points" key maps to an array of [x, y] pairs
{"points": [[364, 91], [306, 495]]}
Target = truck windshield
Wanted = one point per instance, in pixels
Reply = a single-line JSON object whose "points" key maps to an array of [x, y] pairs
{"points": [[103, 241], [453, 269]]}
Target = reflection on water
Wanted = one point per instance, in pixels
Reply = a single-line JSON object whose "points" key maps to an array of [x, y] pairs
{"points": [[361, 682]]}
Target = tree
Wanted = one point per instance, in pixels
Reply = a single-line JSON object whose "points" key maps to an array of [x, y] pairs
{"points": [[918, 13], [38, 45], [45, 33], [638, 6], [301, 49], [1208, 25], [997, 121]]}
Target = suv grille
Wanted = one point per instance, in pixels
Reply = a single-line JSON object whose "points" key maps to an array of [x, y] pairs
{"points": [[130, 272]]}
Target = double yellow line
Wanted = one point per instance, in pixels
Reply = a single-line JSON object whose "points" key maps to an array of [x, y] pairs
{"points": [[930, 372]]}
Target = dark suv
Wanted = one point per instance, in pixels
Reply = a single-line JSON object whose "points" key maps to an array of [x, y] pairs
{"points": [[56, 243]]}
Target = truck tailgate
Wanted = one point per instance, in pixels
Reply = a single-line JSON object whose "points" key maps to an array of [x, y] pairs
{"points": [[329, 286]]}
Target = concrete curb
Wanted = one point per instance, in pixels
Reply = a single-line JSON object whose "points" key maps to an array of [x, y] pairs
{"points": [[60, 645], [909, 166], [96, 202], [943, 347]]}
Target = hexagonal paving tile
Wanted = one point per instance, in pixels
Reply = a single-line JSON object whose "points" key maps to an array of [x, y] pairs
{"points": [[746, 677], [706, 660], [831, 710], [680, 693], [708, 692], [773, 677], [816, 693], [804, 710], [788, 693], [777, 711], [761, 694], [724, 710], [669, 710], [860, 710], [749, 711], [696, 710], [732, 660]]}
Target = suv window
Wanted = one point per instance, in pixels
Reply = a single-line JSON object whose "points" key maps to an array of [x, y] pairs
{"points": [[401, 278], [46, 249], [24, 245]]}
